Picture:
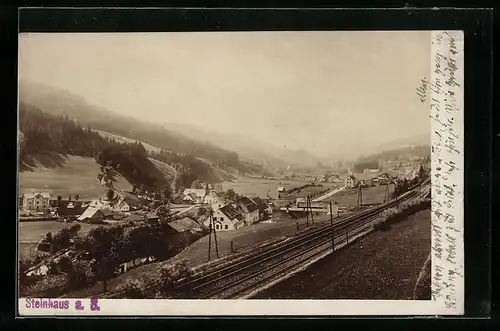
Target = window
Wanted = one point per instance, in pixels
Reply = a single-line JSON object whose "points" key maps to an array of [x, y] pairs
{"points": [[226, 227], [217, 226]]}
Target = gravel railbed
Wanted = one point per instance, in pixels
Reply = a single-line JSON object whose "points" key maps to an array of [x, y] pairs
{"points": [[279, 270]]}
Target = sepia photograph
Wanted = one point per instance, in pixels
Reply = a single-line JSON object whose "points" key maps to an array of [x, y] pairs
{"points": [[283, 165]]}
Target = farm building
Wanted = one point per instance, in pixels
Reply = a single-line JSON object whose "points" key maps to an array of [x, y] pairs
{"points": [[264, 209], [195, 195], [186, 224], [367, 178], [249, 209], [92, 215], [70, 211], [351, 181]]}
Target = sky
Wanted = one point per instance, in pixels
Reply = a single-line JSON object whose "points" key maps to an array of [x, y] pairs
{"points": [[321, 91]]}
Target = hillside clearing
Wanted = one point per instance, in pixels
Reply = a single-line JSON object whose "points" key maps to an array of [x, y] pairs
{"points": [[76, 175]]}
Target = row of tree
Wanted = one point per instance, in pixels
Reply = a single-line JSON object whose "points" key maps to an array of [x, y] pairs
{"points": [[105, 248]]}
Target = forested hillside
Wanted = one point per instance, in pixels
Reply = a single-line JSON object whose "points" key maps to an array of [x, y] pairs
{"points": [[47, 136], [58, 102]]}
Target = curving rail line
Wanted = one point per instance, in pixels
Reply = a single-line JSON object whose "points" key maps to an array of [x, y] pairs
{"points": [[247, 273]]}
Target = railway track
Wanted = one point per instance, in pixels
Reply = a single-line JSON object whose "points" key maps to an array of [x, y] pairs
{"points": [[238, 279]]}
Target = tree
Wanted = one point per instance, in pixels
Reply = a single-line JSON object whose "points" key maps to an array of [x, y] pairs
{"points": [[110, 194], [169, 275], [103, 246], [77, 197], [166, 194], [59, 198], [231, 195], [62, 238], [163, 212]]}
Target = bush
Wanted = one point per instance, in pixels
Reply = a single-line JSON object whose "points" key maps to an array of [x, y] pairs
{"points": [[80, 275], [140, 289], [65, 264], [169, 276], [62, 238], [26, 281]]}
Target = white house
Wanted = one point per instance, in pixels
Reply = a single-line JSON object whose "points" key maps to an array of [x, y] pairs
{"points": [[100, 203], [214, 201], [226, 218], [195, 194], [351, 181], [36, 201]]}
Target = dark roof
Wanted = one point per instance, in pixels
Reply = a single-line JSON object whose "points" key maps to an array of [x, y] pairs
{"points": [[133, 218], [65, 203], [247, 204], [260, 203], [230, 212], [185, 224], [76, 211], [107, 212]]}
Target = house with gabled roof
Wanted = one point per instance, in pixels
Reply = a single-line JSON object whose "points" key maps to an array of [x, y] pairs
{"points": [[195, 195], [226, 218], [36, 201], [351, 181], [264, 209], [249, 209]]}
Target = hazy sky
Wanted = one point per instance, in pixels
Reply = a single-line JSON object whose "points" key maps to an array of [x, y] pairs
{"points": [[322, 91]]}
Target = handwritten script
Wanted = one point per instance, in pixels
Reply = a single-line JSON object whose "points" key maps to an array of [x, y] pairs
{"points": [[446, 101]]}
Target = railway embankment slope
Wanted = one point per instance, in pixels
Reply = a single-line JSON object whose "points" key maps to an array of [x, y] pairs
{"points": [[386, 265]]}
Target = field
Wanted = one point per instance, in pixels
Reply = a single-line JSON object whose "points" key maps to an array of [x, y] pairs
{"points": [[371, 195], [384, 265], [31, 232], [168, 171], [123, 139], [262, 187], [77, 175]]}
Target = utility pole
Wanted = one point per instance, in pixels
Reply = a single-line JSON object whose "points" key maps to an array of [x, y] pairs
{"points": [[387, 195], [310, 208], [209, 237], [307, 211], [331, 225], [360, 197], [215, 234]]}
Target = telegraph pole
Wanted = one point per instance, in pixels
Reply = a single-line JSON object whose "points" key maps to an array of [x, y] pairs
{"points": [[215, 235], [360, 196], [310, 208], [209, 237], [331, 225], [307, 211]]}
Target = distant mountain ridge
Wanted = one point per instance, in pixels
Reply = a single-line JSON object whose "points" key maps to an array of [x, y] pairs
{"points": [[248, 147]]}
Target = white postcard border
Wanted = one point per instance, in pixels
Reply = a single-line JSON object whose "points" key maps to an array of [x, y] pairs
{"points": [[447, 215]]}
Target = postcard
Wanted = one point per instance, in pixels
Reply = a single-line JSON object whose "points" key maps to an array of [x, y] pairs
{"points": [[241, 173]]}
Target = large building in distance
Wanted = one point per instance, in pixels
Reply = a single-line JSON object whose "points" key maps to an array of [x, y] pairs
{"points": [[36, 201]]}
